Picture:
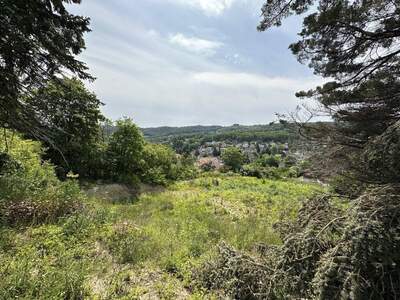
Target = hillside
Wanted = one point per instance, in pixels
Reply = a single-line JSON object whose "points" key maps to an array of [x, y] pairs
{"points": [[94, 207], [271, 132], [145, 248]]}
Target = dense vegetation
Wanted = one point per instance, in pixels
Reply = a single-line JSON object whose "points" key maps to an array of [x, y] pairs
{"points": [[331, 251], [188, 139], [91, 209], [149, 248], [40, 41], [30, 192]]}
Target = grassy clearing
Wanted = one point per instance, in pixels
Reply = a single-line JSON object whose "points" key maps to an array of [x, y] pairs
{"points": [[147, 248]]}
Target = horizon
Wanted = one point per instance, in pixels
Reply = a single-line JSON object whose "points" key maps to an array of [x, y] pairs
{"points": [[207, 125]]}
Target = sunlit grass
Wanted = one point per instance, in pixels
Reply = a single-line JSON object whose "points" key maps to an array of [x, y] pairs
{"points": [[149, 246]]}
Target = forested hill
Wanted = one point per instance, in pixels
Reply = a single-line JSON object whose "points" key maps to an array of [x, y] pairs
{"points": [[165, 131], [270, 132]]}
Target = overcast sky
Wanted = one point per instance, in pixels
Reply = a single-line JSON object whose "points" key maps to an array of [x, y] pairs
{"points": [[189, 62]]}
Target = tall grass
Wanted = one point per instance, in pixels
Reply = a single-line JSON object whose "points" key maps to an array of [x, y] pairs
{"points": [[147, 248]]}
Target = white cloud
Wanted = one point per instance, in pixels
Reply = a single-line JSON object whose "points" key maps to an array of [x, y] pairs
{"points": [[196, 45], [171, 80], [209, 7], [250, 80]]}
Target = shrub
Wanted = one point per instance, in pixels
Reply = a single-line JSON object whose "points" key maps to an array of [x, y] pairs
{"points": [[233, 158], [332, 251], [124, 152], [157, 164], [185, 168], [259, 171], [347, 184], [29, 188], [269, 160], [161, 165]]}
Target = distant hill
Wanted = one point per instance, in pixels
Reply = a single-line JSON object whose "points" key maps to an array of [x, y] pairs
{"points": [[269, 132], [166, 131]]}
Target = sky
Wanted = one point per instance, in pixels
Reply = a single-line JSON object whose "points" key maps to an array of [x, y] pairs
{"points": [[191, 62]]}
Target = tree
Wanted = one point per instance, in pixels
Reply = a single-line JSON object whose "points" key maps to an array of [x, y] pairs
{"points": [[72, 114], [216, 152], [157, 164], [270, 160], [356, 44], [233, 158], [39, 42], [124, 152]]}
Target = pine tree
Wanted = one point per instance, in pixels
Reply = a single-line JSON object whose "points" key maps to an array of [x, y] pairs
{"points": [[39, 40], [355, 43]]}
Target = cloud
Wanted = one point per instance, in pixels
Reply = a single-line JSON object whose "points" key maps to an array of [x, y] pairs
{"points": [[196, 45], [209, 71], [252, 80], [158, 91], [209, 7]]}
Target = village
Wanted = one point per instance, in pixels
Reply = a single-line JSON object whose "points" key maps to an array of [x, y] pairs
{"points": [[209, 153]]}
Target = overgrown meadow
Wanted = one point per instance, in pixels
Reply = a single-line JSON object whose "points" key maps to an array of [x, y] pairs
{"points": [[146, 246]]}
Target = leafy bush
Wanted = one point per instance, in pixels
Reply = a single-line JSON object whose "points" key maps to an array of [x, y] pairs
{"points": [[185, 168], [255, 170], [29, 188], [124, 152], [233, 158], [269, 160], [157, 164], [161, 165]]}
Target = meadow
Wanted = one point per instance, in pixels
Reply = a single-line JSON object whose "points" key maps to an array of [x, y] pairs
{"points": [[146, 247]]}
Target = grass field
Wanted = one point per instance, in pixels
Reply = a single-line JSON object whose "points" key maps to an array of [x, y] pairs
{"points": [[147, 248]]}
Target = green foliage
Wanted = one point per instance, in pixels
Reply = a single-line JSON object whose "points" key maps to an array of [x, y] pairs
{"points": [[200, 213], [158, 164], [124, 152], [333, 250], [269, 160], [347, 185], [131, 159], [363, 97], [47, 282], [31, 192], [272, 167], [128, 243], [72, 115], [40, 42], [50, 261], [381, 157], [187, 139], [185, 168], [233, 158], [161, 165], [149, 247], [258, 171]]}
